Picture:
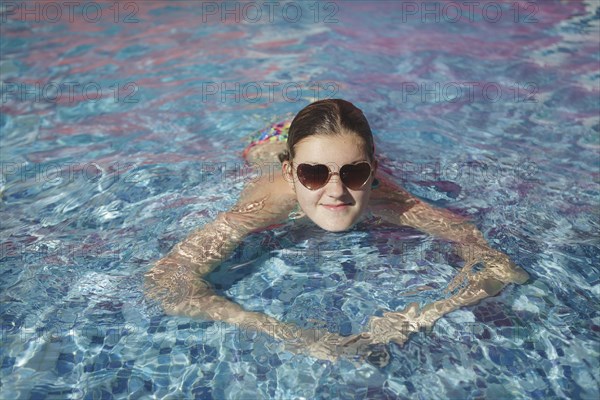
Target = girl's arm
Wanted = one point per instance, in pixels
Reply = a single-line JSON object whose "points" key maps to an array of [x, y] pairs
{"points": [[177, 281], [397, 206]]}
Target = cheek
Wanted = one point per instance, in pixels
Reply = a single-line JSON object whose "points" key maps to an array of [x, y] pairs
{"points": [[305, 197], [362, 198]]}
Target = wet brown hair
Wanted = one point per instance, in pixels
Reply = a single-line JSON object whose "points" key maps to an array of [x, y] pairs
{"points": [[329, 117]]}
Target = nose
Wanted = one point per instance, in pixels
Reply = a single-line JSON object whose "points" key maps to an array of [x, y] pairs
{"points": [[335, 188]]}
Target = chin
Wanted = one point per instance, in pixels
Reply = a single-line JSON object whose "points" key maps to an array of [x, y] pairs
{"points": [[335, 226], [336, 229]]}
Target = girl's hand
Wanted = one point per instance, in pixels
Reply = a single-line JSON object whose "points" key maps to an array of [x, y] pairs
{"points": [[395, 326], [495, 264], [329, 346], [502, 268]]}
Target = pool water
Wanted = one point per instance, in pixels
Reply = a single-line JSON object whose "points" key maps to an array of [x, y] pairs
{"points": [[122, 129]]}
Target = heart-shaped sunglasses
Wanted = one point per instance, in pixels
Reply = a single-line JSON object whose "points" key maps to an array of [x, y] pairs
{"points": [[315, 176]]}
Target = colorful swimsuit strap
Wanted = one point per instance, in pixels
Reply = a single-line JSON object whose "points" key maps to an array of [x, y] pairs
{"points": [[277, 132]]}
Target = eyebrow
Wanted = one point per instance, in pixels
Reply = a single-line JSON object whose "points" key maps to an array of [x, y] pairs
{"points": [[320, 162]]}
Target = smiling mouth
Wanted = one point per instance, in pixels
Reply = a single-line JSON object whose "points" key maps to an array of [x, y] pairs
{"points": [[336, 207]]}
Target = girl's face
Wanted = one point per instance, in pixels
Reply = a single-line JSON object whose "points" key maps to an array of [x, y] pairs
{"points": [[333, 207]]}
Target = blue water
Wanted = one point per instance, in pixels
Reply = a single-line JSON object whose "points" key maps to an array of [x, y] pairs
{"points": [[495, 120]]}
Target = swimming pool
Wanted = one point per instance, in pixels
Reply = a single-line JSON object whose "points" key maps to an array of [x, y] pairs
{"points": [[122, 126]]}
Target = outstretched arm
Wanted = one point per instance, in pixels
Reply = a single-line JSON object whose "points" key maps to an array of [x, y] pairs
{"points": [[397, 206], [471, 244], [177, 281]]}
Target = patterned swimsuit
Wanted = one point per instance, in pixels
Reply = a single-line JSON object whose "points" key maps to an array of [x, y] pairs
{"points": [[277, 132]]}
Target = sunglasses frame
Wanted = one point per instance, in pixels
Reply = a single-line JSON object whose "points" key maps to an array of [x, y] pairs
{"points": [[331, 173]]}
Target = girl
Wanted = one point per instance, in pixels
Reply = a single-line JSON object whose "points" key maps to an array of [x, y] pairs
{"points": [[329, 171]]}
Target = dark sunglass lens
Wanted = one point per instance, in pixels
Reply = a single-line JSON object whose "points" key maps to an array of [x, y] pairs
{"points": [[355, 175], [313, 176]]}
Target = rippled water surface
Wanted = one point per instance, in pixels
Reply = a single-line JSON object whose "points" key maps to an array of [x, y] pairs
{"points": [[118, 138]]}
